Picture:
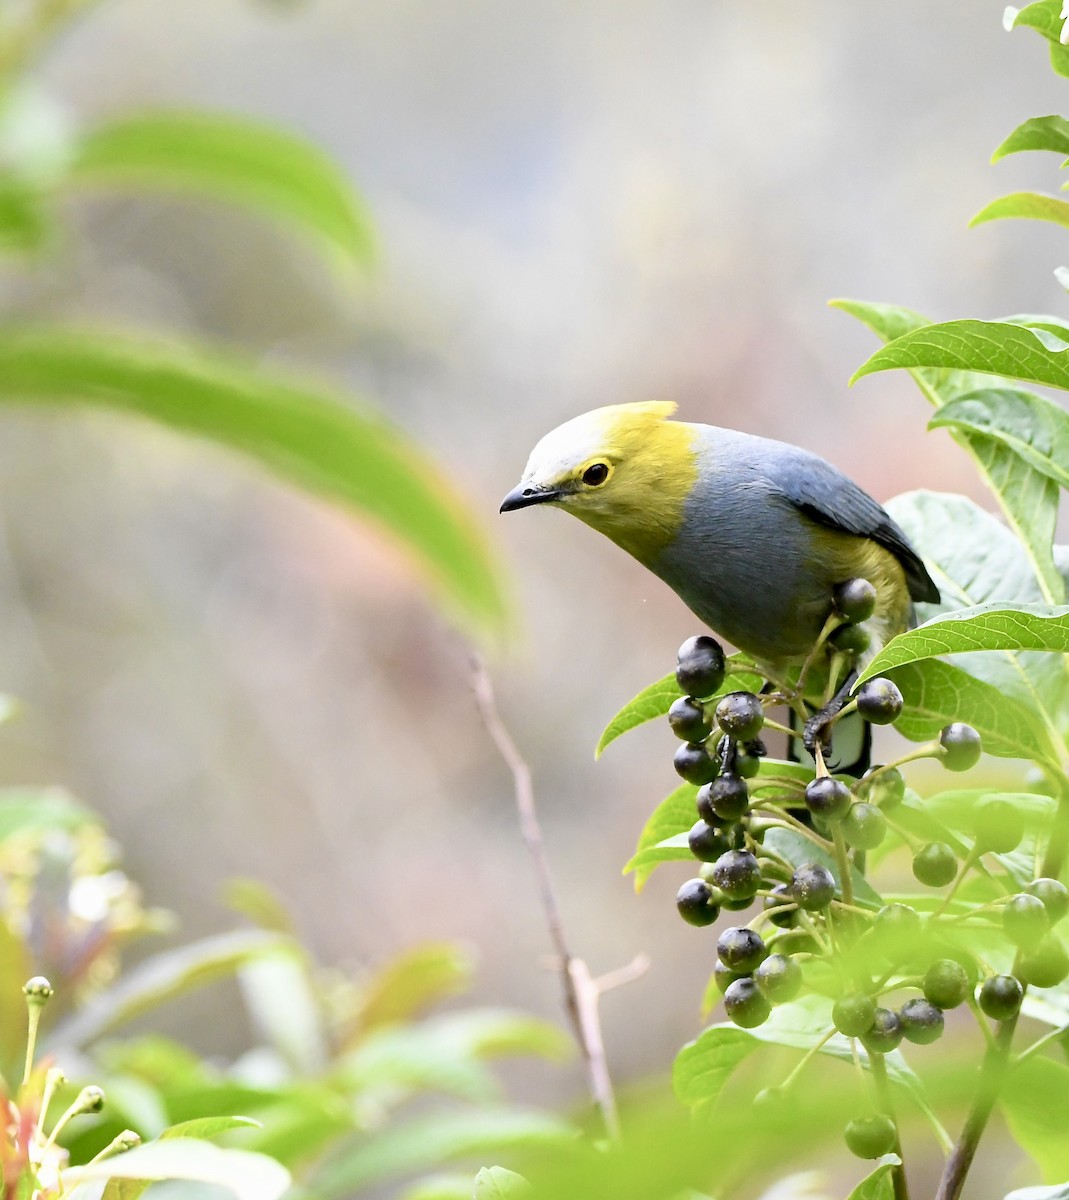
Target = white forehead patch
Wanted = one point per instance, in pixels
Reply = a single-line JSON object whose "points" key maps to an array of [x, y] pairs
{"points": [[564, 449]]}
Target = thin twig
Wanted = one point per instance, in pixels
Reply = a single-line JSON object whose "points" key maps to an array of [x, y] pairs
{"points": [[581, 991]]}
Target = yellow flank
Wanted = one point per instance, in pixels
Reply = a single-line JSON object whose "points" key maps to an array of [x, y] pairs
{"points": [[653, 470]]}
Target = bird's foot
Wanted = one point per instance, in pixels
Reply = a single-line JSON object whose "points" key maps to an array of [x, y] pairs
{"points": [[817, 730]]}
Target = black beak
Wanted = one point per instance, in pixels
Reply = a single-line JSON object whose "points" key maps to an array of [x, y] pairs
{"points": [[524, 495]]}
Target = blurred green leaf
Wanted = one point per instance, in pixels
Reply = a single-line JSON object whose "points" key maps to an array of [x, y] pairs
{"points": [[15, 968], [285, 1011], [9, 708], [704, 1066], [426, 1141], [440, 1187], [1037, 133], [1035, 1103], [160, 979], [209, 1127], [495, 1183], [25, 224], [672, 818], [248, 1176], [413, 980], [876, 1186], [230, 158], [31, 810], [1059, 1191], [670, 849], [1034, 206], [255, 900], [336, 450]]}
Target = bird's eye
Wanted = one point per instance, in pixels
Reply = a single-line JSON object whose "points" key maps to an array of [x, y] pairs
{"points": [[596, 474]]}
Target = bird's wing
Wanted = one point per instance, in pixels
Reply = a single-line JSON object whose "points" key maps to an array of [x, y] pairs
{"points": [[826, 495]]}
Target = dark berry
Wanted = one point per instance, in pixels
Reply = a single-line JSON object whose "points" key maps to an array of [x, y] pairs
{"points": [[1025, 920], [1045, 965], [729, 797], [853, 1015], [737, 874], [946, 983], [812, 887], [884, 1034], [695, 903], [688, 720], [999, 827], [855, 599], [1001, 996], [700, 666], [779, 896], [745, 1005], [879, 701], [1054, 895], [779, 978], [695, 764], [884, 786], [705, 842], [864, 826], [871, 1137], [741, 950], [740, 715], [827, 798], [723, 976], [935, 865], [961, 746], [921, 1021], [851, 639]]}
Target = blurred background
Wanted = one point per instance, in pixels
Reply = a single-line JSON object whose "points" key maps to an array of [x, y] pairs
{"points": [[576, 204]]}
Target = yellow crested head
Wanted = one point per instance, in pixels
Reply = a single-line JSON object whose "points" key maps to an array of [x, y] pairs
{"points": [[626, 470]]}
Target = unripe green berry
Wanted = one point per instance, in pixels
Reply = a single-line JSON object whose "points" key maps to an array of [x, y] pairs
{"points": [[737, 874], [729, 797], [1045, 965], [935, 864], [700, 666], [853, 1015], [864, 826], [812, 887], [946, 983], [747, 765], [855, 599], [851, 639], [745, 1005], [705, 842], [884, 1034], [1024, 920], [999, 827], [694, 763], [879, 701], [883, 786], [1055, 897], [741, 950], [871, 1137], [694, 900], [827, 798], [1000, 997], [922, 1022], [723, 976], [740, 715], [779, 978], [687, 720], [961, 746]]}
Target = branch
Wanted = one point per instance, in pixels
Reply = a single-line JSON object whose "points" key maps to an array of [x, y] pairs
{"points": [[581, 991]]}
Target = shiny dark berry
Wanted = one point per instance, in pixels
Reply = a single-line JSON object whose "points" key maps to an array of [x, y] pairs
{"points": [[855, 599], [1000, 997], [946, 983], [827, 798], [687, 720], [779, 978], [723, 976], [740, 715], [1045, 965], [706, 843], [747, 765], [1054, 895], [922, 1022], [737, 874], [999, 827], [741, 950], [935, 864], [864, 826], [695, 764], [779, 896], [853, 1015], [729, 797], [695, 903], [883, 786], [745, 1005], [700, 666], [884, 1034], [879, 701], [1024, 920], [812, 887], [961, 746], [871, 1137]]}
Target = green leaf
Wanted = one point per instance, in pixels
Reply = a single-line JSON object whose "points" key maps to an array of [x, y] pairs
{"points": [[440, 1187], [209, 1127], [671, 819], [1059, 1191], [426, 1141], [416, 978], [1035, 1103], [495, 1183], [248, 1176], [1032, 426], [338, 451], [25, 224], [40, 810], [230, 158], [284, 1009], [255, 900], [162, 978], [937, 693], [797, 849], [876, 1186], [704, 1066], [1037, 133], [1033, 206], [1045, 18]]}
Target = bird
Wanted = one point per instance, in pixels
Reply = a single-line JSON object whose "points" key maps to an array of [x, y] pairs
{"points": [[753, 534]]}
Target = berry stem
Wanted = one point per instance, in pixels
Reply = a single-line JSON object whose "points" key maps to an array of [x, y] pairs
{"points": [[883, 1091], [842, 860], [1041, 1043], [807, 1058]]}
